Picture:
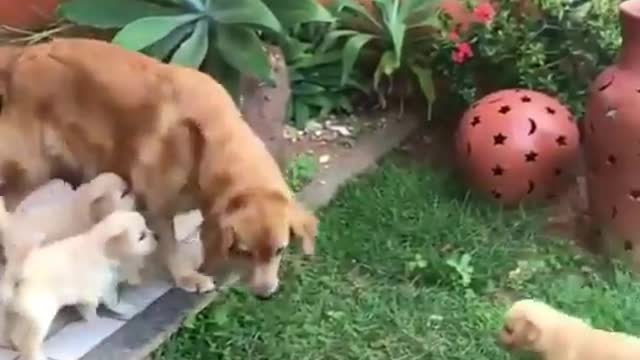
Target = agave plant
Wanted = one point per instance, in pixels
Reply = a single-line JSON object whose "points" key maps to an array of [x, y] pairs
{"points": [[222, 37], [315, 77], [398, 33]]}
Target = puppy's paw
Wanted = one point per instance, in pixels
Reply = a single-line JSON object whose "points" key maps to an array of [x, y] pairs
{"points": [[196, 283], [134, 279], [123, 311], [88, 312]]}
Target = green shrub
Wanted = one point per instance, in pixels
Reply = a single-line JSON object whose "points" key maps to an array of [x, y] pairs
{"points": [[224, 38], [558, 48], [316, 85], [396, 38]]}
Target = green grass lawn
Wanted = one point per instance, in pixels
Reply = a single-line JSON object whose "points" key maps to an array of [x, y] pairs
{"points": [[409, 266]]}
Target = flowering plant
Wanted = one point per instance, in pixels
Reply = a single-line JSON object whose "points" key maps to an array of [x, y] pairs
{"points": [[555, 46]]}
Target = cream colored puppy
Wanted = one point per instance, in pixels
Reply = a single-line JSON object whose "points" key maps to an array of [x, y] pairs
{"points": [[79, 270], [53, 212], [43, 217], [534, 326]]}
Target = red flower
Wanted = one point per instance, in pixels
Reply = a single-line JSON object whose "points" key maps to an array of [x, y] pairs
{"points": [[453, 36], [462, 53], [484, 13]]}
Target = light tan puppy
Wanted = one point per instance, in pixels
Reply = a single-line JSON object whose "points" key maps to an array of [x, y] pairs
{"points": [[79, 270], [45, 217], [173, 133], [536, 327], [54, 220]]}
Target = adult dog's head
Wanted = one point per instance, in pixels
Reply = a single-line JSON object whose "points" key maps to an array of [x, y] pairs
{"points": [[254, 231]]}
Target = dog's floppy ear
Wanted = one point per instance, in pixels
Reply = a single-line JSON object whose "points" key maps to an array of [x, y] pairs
{"points": [[100, 207], [112, 226], [304, 226], [217, 238], [531, 331]]}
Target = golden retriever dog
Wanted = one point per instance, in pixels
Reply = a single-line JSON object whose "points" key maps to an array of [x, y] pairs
{"points": [[536, 327], [80, 270], [81, 107]]}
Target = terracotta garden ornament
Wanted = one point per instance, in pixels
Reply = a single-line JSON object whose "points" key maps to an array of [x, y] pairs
{"points": [[27, 13], [517, 145], [612, 139]]}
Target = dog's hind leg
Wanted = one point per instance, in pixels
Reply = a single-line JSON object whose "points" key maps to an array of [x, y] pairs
{"points": [[33, 330]]}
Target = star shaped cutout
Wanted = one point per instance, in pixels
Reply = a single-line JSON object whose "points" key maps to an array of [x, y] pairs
{"points": [[499, 139], [561, 140], [497, 170], [531, 156]]}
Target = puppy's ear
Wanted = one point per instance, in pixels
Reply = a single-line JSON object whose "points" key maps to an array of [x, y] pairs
{"points": [[100, 207], [531, 331], [304, 226]]}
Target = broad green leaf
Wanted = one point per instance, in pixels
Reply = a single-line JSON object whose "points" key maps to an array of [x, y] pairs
{"points": [[351, 52], [386, 66], [318, 59], [394, 24], [357, 9], [146, 31], [308, 89], [215, 65], [333, 36], [295, 49], [580, 12], [431, 20], [242, 49], [192, 51], [291, 13], [345, 104], [244, 12], [301, 113], [195, 5], [324, 102], [425, 80], [110, 14], [163, 47], [416, 8]]}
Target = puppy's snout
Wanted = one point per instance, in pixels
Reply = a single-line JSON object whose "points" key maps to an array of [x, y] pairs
{"points": [[265, 291]]}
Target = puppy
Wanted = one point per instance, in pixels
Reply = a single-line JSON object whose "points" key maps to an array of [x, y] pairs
{"points": [[536, 327], [47, 221], [80, 270], [53, 212]]}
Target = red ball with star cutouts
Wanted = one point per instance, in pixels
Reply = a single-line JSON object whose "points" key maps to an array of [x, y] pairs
{"points": [[517, 145]]}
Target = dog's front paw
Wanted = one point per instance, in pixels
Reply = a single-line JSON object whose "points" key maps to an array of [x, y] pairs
{"points": [[196, 283]]}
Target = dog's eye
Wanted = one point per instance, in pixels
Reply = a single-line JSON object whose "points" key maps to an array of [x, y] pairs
{"points": [[125, 192], [142, 236], [279, 251]]}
